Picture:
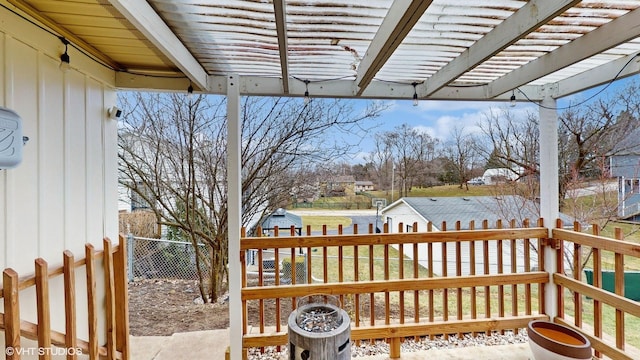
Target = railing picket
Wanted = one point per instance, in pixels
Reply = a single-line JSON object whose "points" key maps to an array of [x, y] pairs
{"points": [[527, 268], [459, 273], [243, 267], [92, 301], [356, 278], [122, 298], [430, 275], [110, 311], [309, 275], [261, 283], [560, 270], [387, 297], [472, 272], [445, 292], [416, 275], [340, 265], [500, 271], [577, 274], [372, 298], [276, 271], [11, 294], [42, 305], [619, 289], [542, 267], [487, 289], [71, 337], [597, 282], [325, 270], [514, 269]]}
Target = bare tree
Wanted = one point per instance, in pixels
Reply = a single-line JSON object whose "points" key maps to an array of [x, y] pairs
{"points": [[511, 141], [406, 148], [587, 134], [382, 161], [172, 153], [463, 155]]}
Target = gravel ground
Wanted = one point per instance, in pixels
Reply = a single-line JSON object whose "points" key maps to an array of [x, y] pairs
{"points": [[410, 345]]}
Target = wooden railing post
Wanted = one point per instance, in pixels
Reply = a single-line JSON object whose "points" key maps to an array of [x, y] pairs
{"points": [[122, 298], [11, 314], [109, 293], [92, 302], [71, 341], [42, 305]]}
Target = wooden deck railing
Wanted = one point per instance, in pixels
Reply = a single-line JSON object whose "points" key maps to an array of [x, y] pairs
{"points": [[397, 285], [115, 303], [575, 249]]}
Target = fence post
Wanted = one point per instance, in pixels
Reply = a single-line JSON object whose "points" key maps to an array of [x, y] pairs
{"points": [[130, 256]]}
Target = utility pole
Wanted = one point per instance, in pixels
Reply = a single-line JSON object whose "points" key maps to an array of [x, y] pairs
{"points": [[393, 175]]}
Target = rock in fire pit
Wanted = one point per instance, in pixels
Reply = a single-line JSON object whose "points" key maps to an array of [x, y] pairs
{"points": [[319, 329]]}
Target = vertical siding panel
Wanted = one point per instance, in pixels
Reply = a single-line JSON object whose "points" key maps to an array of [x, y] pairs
{"points": [[51, 160], [75, 160], [23, 189], [94, 174], [3, 174], [110, 163], [7, 178]]}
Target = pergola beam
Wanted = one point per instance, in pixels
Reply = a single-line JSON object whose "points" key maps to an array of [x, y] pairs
{"points": [[618, 31], [281, 30], [613, 70], [400, 19], [261, 86], [527, 19], [147, 21]]}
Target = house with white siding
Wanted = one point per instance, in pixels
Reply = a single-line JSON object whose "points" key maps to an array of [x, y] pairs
{"points": [[422, 214]]}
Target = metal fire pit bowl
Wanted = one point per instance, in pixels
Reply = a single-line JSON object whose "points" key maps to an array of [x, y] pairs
{"points": [[319, 329]]}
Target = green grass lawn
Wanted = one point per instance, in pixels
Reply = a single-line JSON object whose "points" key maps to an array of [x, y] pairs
{"points": [[318, 221], [443, 190]]}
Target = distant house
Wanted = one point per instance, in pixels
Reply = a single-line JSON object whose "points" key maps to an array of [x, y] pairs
{"points": [[499, 175], [362, 186], [339, 186], [448, 210], [625, 166]]}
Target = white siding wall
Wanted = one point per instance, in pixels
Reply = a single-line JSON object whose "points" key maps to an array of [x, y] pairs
{"points": [[401, 213], [64, 194]]}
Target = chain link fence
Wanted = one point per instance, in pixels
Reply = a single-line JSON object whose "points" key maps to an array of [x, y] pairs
{"points": [[166, 259]]}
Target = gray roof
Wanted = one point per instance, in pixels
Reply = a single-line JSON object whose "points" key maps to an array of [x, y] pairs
{"points": [[476, 208], [282, 219]]}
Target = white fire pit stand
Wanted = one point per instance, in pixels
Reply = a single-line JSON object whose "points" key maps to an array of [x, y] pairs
{"points": [[319, 329]]}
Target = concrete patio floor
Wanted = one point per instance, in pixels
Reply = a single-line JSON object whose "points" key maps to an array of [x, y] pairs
{"points": [[212, 344]]}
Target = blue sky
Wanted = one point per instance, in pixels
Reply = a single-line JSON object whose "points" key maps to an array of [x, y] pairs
{"points": [[438, 118]]}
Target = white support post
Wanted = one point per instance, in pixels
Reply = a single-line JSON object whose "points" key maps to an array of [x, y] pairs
{"points": [[549, 188], [234, 206]]}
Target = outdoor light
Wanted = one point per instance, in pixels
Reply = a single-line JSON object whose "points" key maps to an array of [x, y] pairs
{"points": [[64, 58], [415, 94], [513, 98], [189, 91], [306, 92]]}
